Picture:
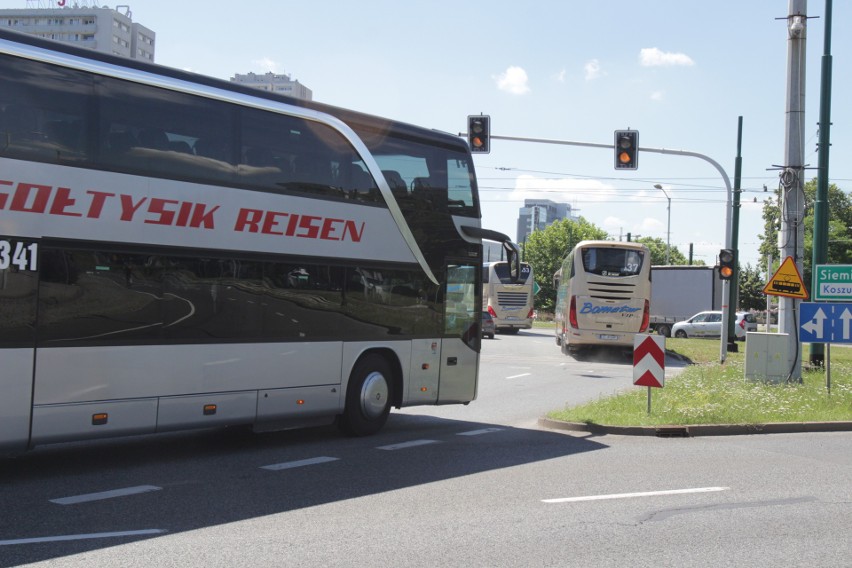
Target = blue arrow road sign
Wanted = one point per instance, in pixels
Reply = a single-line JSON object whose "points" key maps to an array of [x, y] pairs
{"points": [[823, 322]]}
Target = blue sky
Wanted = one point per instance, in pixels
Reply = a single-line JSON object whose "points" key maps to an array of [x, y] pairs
{"points": [[679, 71]]}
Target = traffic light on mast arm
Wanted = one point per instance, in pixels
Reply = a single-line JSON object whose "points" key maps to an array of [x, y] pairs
{"points": [[727, 263], [626, 149], [479, 134]]}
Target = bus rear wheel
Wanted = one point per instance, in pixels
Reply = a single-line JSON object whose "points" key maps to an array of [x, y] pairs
{"points": [[368, 397]]}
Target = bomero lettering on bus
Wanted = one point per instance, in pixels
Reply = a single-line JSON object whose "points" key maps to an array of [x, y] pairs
{"points": [[589, 308], [48, 200], [295, 225]]}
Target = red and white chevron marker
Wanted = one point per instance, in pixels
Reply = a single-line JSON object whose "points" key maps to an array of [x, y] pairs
{"points": [[649, 360]]}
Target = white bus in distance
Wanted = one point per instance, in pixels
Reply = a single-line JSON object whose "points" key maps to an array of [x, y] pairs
{"points": [[603, 295], [509, 300]]}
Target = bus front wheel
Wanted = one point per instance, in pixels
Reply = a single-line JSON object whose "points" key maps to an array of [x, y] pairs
{"points": [[368, 397]]}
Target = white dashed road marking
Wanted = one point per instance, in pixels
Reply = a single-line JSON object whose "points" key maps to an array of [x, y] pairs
{"points": [[105, 495], [299, 463], [67, 537], [519, 376], [631, 495], [410, 444], [479, 432]]}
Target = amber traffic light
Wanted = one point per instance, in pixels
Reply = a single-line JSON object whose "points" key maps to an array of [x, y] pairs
{"points": [[626, 149], [479, 133], [726, 264]]}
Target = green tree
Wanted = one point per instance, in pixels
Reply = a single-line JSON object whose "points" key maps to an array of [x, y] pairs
{"points": [[546, 249], [751, 283], [839, 220], [658, 252]]}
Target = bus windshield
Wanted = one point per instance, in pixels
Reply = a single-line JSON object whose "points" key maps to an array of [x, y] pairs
{"points": [[501, 271], [608, 261]]}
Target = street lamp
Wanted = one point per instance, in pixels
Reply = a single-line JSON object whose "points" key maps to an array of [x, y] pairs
{"points": [[669, 226]]}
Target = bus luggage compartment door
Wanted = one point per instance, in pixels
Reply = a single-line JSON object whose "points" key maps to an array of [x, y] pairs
{"points": [[16, 402], [458, 372]]}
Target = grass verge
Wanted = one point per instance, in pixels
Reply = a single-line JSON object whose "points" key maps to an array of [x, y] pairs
{"points": [[709, 393]]}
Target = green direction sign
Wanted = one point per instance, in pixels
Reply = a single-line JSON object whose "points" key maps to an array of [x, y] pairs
{"points": [[536, 288], [833, 282]]}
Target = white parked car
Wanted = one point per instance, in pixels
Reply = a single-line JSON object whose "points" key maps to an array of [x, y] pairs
{"points": [[709, 324]]}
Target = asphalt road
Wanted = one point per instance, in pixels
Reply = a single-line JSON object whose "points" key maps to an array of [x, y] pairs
{"points": [[478, 485]]}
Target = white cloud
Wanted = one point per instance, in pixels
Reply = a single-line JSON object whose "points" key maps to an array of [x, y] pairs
{"points": [[593, 70], [265, 64], [560, 77], [657, 95], [615, 225], [653, 57], [513, 80], [652, 226]]}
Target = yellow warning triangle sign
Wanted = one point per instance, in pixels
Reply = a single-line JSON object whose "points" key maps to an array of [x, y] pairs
{"points": [[786, 281]]}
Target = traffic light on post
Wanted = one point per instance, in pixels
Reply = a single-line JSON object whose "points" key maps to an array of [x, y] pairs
{"points": [[479, 134], [626, 149], [727, 262]]}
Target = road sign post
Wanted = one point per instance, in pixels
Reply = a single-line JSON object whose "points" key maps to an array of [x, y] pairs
{"points": [[649, 362]]}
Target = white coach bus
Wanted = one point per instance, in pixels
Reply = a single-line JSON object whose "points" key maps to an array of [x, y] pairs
{"points": [[603, 295], [182, 252], [509, 300]]}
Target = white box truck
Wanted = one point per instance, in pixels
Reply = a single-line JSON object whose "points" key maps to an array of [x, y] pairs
{"points": [[679, 292]]}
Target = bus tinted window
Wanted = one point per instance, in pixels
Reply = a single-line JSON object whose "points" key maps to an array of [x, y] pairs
{"points": [[125, 126], [606, 261], [286, 153], [17, 306], [106, 298], [162, 133], [43, 111], [425, 176], [501, 269]]}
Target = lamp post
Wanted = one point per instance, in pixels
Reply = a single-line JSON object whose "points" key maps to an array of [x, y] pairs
{"points": [[669, 225]]}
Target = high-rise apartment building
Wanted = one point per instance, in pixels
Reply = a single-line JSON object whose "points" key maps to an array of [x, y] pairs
{"points": [[85, 24], [275, 83], [538, 214]]}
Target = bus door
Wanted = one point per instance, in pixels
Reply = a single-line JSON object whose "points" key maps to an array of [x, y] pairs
{"points": [[18, 286], [460, 345]]}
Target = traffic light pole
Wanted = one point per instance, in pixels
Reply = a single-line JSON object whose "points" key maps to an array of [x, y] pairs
{"points": [[726, 287]]}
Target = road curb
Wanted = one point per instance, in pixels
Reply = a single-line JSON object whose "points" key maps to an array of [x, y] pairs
{"points": [[686, 431]]}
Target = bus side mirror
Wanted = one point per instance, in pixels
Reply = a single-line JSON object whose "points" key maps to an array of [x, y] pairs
{"points": [[513, 258], [513, 253]]}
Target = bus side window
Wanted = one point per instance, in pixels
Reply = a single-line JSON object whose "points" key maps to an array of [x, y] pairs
{"points": [[154, 138], [20, 123], [361, 185], [424, 189], [211, 148], [396, 183]]}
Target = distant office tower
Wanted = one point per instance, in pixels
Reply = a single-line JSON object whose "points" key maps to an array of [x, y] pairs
{"points": [[84, 24], [538, 214], [275, 83]]}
